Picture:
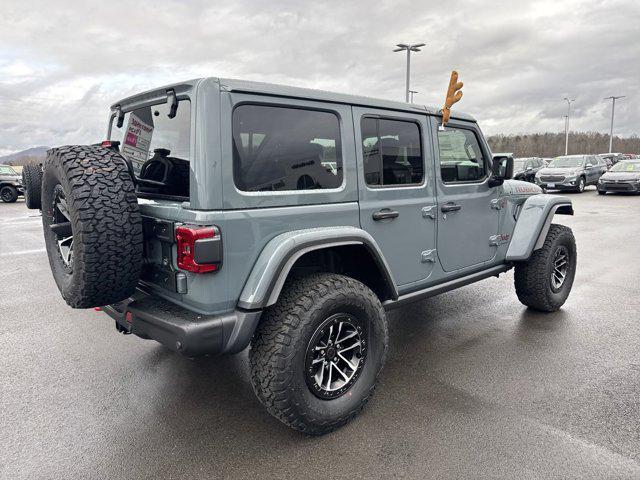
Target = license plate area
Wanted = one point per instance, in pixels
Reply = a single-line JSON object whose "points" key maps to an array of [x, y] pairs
{"points": [[158, 267]]}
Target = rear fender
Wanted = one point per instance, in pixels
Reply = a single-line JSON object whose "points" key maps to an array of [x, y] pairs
{"points": [[533, 224], [270, 271]]}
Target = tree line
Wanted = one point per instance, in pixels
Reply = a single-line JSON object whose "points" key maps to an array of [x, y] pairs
{"points": [[552, 144]]}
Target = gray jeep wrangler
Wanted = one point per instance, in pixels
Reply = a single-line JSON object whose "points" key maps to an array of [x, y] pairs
{"points": [[222, 213]]}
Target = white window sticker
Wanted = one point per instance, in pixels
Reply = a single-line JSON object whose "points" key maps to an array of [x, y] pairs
{"points": [[137, 140]]}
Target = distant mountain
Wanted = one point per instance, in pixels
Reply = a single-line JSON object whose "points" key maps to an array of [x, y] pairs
{"points": [[29, 155]]}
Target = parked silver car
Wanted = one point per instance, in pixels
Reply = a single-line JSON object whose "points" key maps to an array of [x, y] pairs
{"points": [[571, 172], [623, 177]]}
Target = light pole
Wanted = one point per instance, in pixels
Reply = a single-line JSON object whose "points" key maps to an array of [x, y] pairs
{"points": [[412, 92], [409, 48], [566, 129], [613, 99]]}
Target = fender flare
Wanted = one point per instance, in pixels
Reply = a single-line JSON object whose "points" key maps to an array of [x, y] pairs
{"points": [[274, 263], [533, 224]]}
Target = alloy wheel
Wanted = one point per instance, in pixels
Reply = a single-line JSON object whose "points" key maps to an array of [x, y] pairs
{"points": [[559, 268], [335, 356], [61, 227]]}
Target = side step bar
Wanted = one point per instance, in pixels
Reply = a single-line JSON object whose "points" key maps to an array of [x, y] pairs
{"points": [[444, 287]]}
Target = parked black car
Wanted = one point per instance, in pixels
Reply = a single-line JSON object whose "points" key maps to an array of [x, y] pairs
{"points": [[624, 176], [10, 184], [526, 168], [571, 172]]}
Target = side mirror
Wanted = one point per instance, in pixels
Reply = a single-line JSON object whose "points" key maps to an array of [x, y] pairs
{"points": [[501, 170]]}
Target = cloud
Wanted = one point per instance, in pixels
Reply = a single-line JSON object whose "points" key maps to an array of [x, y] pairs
{"points": [[62, 66]]}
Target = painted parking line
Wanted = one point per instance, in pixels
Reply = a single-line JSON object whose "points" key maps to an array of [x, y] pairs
{"points": [[9, 221], [23, 252]]}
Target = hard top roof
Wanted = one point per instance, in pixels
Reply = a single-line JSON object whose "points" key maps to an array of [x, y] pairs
{"points": [[245, 86]]}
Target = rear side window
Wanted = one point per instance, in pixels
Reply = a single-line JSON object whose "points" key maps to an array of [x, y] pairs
{"points": [[279, 148], [392, 153], [461, 158]]}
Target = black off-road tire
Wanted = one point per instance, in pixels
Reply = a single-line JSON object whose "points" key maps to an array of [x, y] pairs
{"points": [[279, 346], [106, 259], [32, 182], [9, 194], [533, 277]]}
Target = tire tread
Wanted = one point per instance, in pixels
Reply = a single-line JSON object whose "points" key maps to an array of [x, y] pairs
{"points": [[273, 347], [531, 277]]}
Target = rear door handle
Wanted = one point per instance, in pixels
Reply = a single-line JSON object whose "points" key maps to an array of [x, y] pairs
{"points": [[450, 207], [385, 214]]}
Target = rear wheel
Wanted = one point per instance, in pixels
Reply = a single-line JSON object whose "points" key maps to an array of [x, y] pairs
{"points": [[317, 353], [544, 281], [32, 181], [92, 225], [9, 194]]}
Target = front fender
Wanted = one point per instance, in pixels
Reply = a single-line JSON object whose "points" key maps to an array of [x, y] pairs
{"points": [[533, 224], [276, 259]]}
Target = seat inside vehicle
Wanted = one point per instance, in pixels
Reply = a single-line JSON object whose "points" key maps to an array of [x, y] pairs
{"points": [[172, 172]]}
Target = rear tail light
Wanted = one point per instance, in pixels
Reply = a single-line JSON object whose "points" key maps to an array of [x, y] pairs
{"points": [[199, 248]]}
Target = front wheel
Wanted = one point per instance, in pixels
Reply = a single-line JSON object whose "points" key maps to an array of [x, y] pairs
{"points": [[601, 192], [8, 194], [317, 352], [581, 184], [544, 281]]}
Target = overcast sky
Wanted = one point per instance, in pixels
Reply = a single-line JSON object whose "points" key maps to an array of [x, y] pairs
{"points": [[62, 63]]}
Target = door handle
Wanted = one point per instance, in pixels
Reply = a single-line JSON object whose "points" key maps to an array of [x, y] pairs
{"points": [[385, 214], [450, 207]]}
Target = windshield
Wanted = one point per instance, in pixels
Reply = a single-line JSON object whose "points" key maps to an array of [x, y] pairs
{"points": [[149, 128], [7, 170], [626, 167], [564, 162]]}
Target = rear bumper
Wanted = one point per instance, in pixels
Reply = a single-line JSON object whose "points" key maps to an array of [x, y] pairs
{"points": [[181, 330]]}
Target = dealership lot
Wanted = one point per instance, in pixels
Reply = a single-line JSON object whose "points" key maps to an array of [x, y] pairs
{"points": [[475, 385]]}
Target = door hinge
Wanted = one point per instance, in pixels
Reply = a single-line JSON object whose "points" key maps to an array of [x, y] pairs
{"points": [[428, 256], [498, 203], [429, 212], [495, 240]]}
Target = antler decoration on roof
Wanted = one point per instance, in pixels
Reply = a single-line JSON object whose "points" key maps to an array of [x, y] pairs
{"points": [[454, 94]]}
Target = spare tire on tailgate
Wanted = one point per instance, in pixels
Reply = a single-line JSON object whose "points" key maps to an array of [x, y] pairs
{"points": [[92, 225], [32, 182]]}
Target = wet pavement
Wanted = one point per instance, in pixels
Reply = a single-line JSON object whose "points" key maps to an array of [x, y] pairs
{"points": [[475, 386]]}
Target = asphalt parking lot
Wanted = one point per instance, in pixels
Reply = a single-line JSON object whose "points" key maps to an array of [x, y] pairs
{"points": [[475, 386]]}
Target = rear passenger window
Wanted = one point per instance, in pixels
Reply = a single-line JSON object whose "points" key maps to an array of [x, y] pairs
{"points": [[279, 148], [391, 151], [461, 158]]}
